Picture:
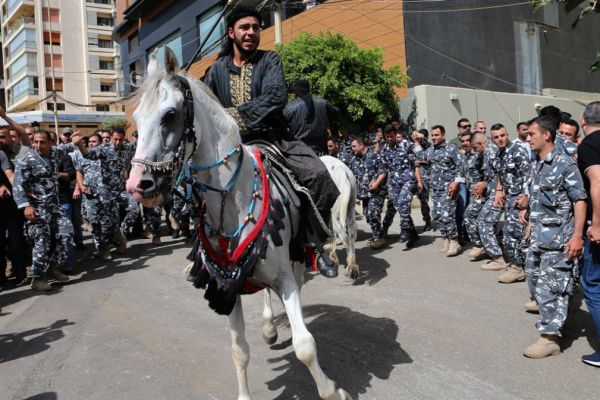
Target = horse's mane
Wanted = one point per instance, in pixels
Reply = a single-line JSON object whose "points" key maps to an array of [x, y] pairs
{"points": [[147, 94]]}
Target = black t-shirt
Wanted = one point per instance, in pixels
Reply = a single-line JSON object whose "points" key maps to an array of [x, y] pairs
{"points": [[5, 164], [588, 155], [65, 189]]}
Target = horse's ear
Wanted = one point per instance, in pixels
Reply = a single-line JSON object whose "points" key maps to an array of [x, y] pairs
{"points": [[153, 65], [171, 63]]}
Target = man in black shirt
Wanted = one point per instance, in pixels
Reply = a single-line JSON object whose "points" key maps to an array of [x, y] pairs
{"points": [[588, 158]]}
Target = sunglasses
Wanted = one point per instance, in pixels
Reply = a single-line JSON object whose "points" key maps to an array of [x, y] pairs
{"points": [[465, 126]]}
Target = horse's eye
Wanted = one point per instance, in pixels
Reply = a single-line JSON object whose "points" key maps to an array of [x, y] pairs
{"points": [[168, 117]]}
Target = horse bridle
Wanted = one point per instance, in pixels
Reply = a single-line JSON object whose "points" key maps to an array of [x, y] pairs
{"points": [[187, 142]]}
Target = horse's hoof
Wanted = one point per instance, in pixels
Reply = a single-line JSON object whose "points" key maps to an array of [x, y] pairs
{"points": [[270, 337], [352, 272]]}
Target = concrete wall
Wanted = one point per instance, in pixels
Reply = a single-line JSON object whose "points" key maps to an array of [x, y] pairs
{"points": [[434, 106], [477, 46]]}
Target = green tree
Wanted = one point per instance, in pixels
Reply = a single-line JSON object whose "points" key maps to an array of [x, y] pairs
{"points": [[586, 7], [115, 122], [351, 78]]}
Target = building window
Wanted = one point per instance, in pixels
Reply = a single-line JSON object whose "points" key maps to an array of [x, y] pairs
{"points": [[134, 41], [105, 43], [59, 106], [100, 1], [58, 84], [174, 43], [104, 20], [52, 38], [106, 64], [102, 107], [53, 61], [206, 23], [107, 86], [51, 15]]}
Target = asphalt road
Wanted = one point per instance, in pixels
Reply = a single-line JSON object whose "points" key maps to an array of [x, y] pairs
{"points": [[415, 325]]}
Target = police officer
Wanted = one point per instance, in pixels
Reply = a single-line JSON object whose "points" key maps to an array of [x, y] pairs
{"points": [[556, 222], [446, 174], [489, 216], [475, 180], [423, 171], [399, 161], [35, 192], [115, 158], [512, 168], [97, 199], [369, 170]]}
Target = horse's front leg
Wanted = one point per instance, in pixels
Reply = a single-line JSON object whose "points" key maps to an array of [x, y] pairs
{"points": [[303, 341], [240, 350], [269, 329]]}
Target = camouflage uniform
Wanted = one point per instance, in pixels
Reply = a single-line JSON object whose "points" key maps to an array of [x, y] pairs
{"points": [[151, 218], [565, 146], [98, 202], [446, 167], [512, 167], [51, 233], [399, 162], [183, 206], [474, 174], [555, 186], [114, 164], [345, 154], [425, 169], [489, 216], [367, 168]]}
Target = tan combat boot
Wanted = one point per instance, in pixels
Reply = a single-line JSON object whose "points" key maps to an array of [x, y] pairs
{"points": [[476, 252], [446, 246], [453, 248], [40, 284], [547, 345], [532, 307], [495, 264], [377, 244], [514, 273], [121, 241]]}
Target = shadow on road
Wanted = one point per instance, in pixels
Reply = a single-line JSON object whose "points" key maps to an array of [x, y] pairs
{"points": [[43, 396], [352, 347], [372, 269], [579, 324], [24, 344]]}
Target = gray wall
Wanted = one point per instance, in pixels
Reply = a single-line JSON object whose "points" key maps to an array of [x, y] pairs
{"points": [[481, 46]]}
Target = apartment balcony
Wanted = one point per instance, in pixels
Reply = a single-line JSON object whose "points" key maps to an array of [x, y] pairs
{"points": [[15, 51], [15, 27], [17, 9], [16, 76], [23, 99], [106, 6]]}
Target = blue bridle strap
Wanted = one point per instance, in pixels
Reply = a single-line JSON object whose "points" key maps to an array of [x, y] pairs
{"points": [[203, 187]]}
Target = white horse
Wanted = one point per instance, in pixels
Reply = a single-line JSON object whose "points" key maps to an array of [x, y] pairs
{"points": [[165, 101]]}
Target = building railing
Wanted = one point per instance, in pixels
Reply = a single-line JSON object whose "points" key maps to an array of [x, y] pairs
{"points": [[14, 28], [25, 44], [12, 5], [27, 92]]}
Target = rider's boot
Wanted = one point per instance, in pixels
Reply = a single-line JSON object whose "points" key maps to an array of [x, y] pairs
{"points": [[327, 268]]}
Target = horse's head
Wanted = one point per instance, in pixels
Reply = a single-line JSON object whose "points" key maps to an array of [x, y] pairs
{"points": [[163, 121]]}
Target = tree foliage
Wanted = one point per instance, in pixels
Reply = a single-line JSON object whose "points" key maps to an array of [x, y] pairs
{"points": [[115, 122], [351, 78], [586, 7]]}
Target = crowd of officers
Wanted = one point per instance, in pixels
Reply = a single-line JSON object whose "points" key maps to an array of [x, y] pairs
{"points": [[474, 180], [50, 192]]}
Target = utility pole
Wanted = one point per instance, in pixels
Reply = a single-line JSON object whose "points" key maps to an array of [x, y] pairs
{"points": [[277, 17], [52, 71]]}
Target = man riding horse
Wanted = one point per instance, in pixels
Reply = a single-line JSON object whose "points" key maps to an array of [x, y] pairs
{"points": [[250, 84]]}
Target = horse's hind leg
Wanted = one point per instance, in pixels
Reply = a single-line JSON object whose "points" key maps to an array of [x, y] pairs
{"points": [[304, 343], [240, 350], [352, 269], [269, 329]]}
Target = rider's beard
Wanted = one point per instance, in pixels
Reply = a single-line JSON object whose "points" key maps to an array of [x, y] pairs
{"points": [[237, 43]]}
